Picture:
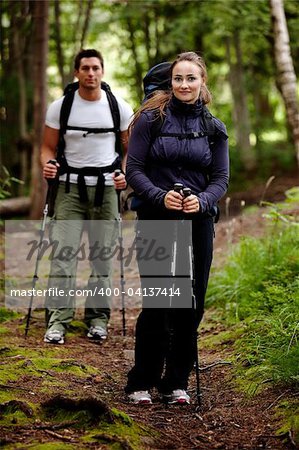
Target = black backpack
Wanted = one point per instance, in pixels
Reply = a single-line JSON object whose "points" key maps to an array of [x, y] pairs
{"points": [[66, 107], [64, 168], [159, 78]]}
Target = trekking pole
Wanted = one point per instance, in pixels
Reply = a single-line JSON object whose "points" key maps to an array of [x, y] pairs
{"points": [[186, 193], [41, 237], [117, 172], [177, 187]]}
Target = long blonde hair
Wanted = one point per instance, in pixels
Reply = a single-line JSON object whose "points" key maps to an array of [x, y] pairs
{"points": [[160, 99]]}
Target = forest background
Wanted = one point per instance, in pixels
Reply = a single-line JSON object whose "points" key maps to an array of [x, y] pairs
{"points": [[252, 53], [250, 48]]}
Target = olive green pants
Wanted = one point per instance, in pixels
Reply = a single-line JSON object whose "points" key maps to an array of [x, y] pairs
{"points": [[71, 218]]}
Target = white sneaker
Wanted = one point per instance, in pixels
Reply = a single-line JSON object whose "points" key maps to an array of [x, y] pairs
{"points": [[97, 333], [54, 337], [140, 398], [178, 396]]}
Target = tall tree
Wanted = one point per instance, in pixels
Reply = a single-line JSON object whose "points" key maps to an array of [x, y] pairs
{"points": [[286, 77], [40, 21], [240, 109], [15, 49], [69, 39]]}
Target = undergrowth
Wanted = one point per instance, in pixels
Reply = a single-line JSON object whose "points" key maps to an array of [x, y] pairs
{"points": [[256, 294], [259, 287]]}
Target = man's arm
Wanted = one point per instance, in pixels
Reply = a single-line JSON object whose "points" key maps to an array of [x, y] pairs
{"points": [[120, 181], [48, 151]]}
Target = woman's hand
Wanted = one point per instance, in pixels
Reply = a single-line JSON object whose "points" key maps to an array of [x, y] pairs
{"points": [[191, 204], [173, 200]]}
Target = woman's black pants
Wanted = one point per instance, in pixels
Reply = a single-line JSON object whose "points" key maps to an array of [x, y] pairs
{"points": [[165, 345]]}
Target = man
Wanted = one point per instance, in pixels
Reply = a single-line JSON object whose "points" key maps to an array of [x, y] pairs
{"points": [[86, 195]]}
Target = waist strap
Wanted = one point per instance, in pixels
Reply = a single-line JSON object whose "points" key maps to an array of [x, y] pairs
{"points": [[90, 171]]}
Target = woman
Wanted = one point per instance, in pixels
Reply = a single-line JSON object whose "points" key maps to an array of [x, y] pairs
{"points": [[165, 348]]}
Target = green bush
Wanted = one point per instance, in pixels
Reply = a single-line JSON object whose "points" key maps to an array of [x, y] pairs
{"points": [[259, 288]]}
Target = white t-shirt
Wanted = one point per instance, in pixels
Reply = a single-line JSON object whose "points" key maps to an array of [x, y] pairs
{"points": [[96, 149]]}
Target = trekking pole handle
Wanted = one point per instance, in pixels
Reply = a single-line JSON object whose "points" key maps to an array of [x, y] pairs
{"points": [[50, 181], [186, 192], [178, 187], [117, 173]]}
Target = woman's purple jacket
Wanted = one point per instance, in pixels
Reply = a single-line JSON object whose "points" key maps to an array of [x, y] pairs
{"points": [[155, 164]]}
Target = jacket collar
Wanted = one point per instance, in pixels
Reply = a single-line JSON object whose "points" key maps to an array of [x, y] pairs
{"points": [[181, 108]]}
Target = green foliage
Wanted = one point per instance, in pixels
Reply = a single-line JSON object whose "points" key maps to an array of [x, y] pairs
{"points": [[6, 181], [259, 289], [6, 314], [132, 40], [292, 194]]}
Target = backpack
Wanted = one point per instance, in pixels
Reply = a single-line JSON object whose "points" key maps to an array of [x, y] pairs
{"points": [[69, 93], [159, 78]]}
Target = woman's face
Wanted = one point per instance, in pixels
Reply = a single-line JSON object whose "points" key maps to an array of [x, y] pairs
{"points": [[186, 81]]}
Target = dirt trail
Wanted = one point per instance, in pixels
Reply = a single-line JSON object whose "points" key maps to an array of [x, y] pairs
{"points": [[227, 420]]}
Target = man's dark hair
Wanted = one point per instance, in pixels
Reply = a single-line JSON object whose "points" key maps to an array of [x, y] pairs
{"points": [[88, 53]]}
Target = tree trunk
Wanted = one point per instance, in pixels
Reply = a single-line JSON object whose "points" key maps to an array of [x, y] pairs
{"points": [[19, 21], [286, 77], [58, 43], [240, 107], [79, 34], [138, 67], [11, 207], [85, 26], [40, 20]]}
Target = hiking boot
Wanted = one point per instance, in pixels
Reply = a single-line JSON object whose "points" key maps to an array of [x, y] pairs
{"points": [[97, 333], [178, 396], [140, 398], [54, 337]]}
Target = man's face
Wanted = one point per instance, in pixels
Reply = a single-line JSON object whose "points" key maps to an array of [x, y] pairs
{"points": [[90, 73]]}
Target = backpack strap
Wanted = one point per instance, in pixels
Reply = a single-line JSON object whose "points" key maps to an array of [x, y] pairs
{"points": [[181, 136], [63, 119], [115, 116], [91, 171], [65, 111], [209, 126]]}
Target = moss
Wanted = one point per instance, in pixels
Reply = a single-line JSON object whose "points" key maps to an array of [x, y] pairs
{"points": [[44, 446], [105, 425], [10, 394], [118, 436], [15, 418], [36, 366], [7, 314], [81, 411], [4, 330], [16, 412], [7, 351], [130, 434], [288, 414], [222, 338], [73, 366], [45, 352], [77, 328], [121, 416]]}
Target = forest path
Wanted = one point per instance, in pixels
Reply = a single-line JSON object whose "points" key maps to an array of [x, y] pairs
{"points": [[227, 419]]}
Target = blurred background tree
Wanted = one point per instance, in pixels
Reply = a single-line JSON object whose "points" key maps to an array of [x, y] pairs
{"points": [[237, 39]]}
